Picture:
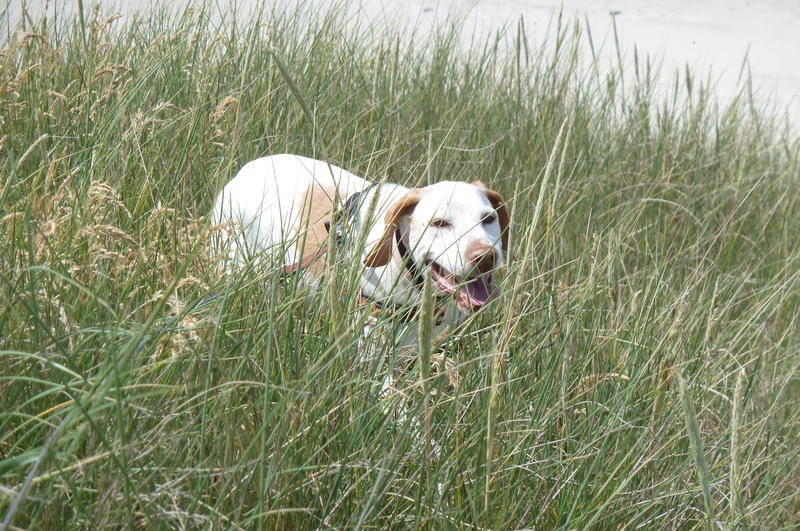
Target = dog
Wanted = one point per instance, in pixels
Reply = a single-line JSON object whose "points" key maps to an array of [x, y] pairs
{"points": [[287, 208]]}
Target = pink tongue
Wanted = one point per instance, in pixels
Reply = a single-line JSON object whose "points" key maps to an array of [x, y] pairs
{"points": [[479, 290], [470, 295]]}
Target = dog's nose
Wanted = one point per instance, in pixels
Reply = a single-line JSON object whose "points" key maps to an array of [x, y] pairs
{"points": [[482, 258]]}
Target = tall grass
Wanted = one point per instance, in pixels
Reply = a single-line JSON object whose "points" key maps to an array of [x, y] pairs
{"points": [[652, 237]]}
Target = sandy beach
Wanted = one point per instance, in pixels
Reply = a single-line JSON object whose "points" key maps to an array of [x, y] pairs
{"points": [[713, 38], [719, 40]]}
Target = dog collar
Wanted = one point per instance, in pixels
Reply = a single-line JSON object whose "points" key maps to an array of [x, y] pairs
{"points": [[408, 260]]}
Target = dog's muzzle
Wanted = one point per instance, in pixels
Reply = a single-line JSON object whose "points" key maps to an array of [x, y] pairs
{"points": [[477, 287]]}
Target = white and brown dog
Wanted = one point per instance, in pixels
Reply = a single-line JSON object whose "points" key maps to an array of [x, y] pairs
{"points": [[453, 231]]}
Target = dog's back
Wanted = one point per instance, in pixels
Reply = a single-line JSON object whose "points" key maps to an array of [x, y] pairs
{"points": [[280, 203]]}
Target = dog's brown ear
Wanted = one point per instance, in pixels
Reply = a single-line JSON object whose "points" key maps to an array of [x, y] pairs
{"points": [[381, 253], [502, 213]]}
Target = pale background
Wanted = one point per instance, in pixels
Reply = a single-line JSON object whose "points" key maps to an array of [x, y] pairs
{"points": [[713, 37]]}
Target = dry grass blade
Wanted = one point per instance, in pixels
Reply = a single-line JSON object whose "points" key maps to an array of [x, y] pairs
{"points": [[735, 494], [696, 444], [425, 353]]}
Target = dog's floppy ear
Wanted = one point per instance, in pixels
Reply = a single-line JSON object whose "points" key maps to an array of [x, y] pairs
{"points": [[381, 253], [502, 212]]}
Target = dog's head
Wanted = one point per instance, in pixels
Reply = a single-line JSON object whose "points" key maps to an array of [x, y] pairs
{"points": [[458, 232]]}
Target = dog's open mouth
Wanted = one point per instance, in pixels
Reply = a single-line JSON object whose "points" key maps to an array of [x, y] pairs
{"points": [[471, 294]]}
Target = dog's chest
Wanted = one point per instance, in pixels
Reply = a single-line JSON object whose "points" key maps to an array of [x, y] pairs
{"points": [[396, 341]]}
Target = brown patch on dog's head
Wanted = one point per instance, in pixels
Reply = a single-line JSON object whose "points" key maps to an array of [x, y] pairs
{"points": [[499, 206], [381, 253]]}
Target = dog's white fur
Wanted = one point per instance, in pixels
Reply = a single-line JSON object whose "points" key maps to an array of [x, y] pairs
{"points": [[277, 204], [264, 204]]}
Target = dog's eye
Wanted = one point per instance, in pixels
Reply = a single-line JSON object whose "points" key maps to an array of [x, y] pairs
{"points": [[441, 223], [488, 219]]}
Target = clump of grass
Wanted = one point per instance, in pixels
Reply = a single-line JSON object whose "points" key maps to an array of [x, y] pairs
{"points": [[139, 386]]}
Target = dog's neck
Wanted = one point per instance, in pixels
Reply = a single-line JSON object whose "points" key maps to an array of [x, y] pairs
{"points": [[394, 285], [391, 283]]}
